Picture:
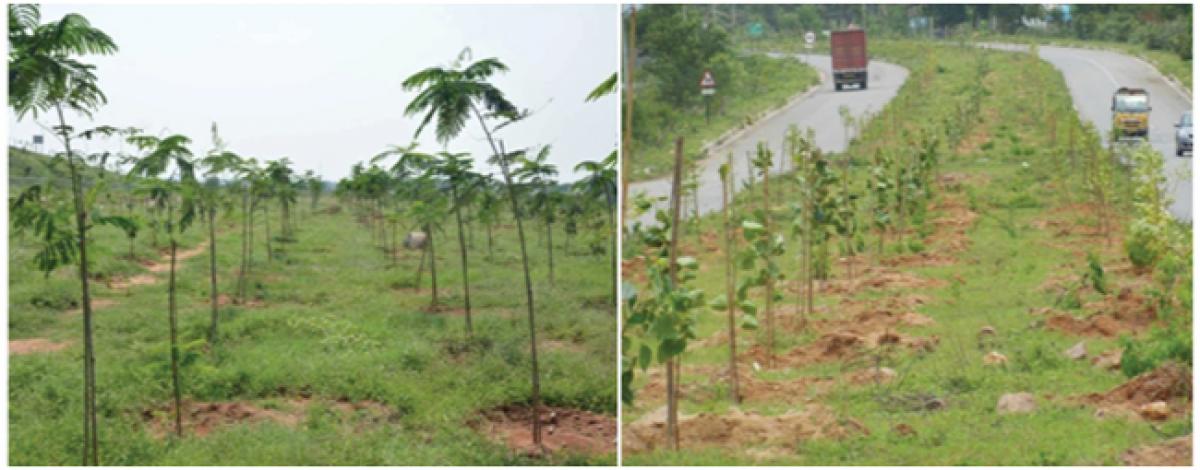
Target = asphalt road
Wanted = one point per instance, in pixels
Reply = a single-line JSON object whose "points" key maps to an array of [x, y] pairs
{"points": [[1093, 75], [818, 111]]}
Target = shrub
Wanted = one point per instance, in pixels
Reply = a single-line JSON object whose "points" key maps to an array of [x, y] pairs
{"points": [[1171, 343]]}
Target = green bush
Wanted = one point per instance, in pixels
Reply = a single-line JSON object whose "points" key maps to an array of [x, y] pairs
{"points": [[1140, 247], [1171, 343]]}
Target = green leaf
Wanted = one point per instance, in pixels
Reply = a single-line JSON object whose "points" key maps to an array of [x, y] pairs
{"points": [[669, 348], [645, 355], [748, 307], [719, 303]]}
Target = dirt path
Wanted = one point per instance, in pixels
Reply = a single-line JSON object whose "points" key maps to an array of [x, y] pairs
{"points": [[17, 347]]}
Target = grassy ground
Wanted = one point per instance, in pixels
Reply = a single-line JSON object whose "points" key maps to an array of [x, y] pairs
{"points": [[777, 79], [333, 320], [1004, 186]]}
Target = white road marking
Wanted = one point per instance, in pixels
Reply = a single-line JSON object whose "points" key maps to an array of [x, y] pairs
{"points": [[1106, 72]]}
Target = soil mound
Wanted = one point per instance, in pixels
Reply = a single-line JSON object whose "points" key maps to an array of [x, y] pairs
{"points": [[1176, 452], [738, 430], [1170, 384], [1126, 312], [563, 429]]}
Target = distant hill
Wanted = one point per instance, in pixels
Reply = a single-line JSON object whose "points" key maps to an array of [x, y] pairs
{"points": [[27, 167]]}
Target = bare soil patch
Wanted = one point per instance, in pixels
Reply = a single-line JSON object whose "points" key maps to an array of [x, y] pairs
{"points": [[1175, 452], [562, 345], [880, 278], [137, 280], [563, 430], [1126, 312], [738, 430], [97, 304], [843, 345], [202, 418], [1170, 384], [17, 347], [164, 264], [950, 228]]}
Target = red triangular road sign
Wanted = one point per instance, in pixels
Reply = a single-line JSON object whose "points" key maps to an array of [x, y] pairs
{"points": [[708, 81]]}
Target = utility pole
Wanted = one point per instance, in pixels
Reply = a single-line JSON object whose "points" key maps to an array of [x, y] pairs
{"points": [[627, 140]]}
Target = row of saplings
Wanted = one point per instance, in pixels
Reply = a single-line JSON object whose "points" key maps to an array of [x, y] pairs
{"points": [[165, 176], [420, 191], [826, 209]]}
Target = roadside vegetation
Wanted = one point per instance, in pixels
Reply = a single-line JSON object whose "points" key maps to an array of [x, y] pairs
{"points": [[975, 281], [235, 311], [674, 49]]}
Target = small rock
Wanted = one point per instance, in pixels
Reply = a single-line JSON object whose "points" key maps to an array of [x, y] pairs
{"points": [[1016, 403], [994, 358], [1110, 360], [1077, 352], [884, 374], [757, 368], [987, 330], [1155, 411], [935, 404]]}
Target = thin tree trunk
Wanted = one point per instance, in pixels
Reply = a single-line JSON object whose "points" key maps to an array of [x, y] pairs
{"points": [[672, 385], [550, 249], [393, 249], [490, 243], [612, 253], [729, 273], [267, 223], [462, 254], [212, 270], [284, 229], [174, 338], [91, 446], [250, 240], [536, 383], [770, 281], [627, 140], [421, 267], [432, 266]]}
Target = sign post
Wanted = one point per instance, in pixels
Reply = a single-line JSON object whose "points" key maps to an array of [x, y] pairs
{"points": [[708, 87], [809, 39]]}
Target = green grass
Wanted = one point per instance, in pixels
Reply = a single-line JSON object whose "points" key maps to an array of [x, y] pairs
{"points": [[659, 124], [1017, 173], [332, 323]]}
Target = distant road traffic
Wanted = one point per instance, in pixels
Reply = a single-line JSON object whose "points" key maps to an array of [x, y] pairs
{"points": [[818, 111], [1093, 75]]}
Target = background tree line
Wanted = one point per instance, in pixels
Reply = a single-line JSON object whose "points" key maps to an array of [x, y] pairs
{"points": [[1165, 27]]}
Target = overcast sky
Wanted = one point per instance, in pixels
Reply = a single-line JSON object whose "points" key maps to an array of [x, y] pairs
{"points": [[321, 84]]}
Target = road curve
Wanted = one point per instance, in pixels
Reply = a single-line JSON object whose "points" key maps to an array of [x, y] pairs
{"points": [[1093, 75], [818, 110]]}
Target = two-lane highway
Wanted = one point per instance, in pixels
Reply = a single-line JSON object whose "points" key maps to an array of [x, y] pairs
{"points": [[818, 111]]}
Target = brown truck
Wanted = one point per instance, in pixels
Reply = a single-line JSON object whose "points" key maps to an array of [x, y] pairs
{"points": [[848, 51]]}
